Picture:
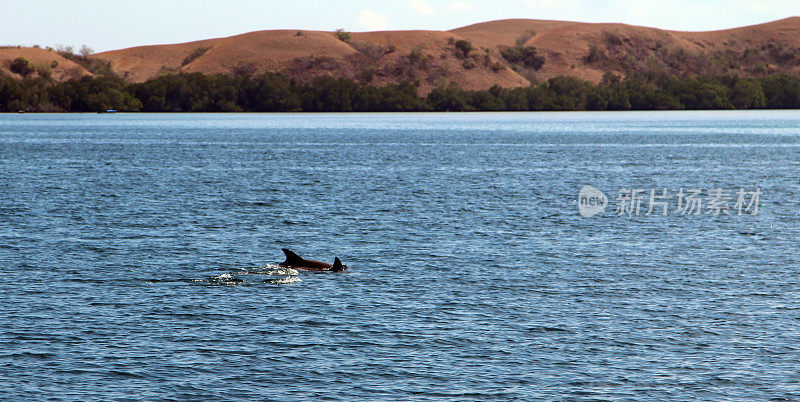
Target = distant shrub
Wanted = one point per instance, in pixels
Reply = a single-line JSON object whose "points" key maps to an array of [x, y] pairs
{"points": [[629, 61], [166, 70], [94, 65], [65, 51], [86, 51], [372, 51], [21, 66], [613, 39], [327, 63], [299, 33], [245, 69], [593, 55], [475, 54], [468, 64], [463, 48], [610, 78], [781, 54], [75, 72], [343, 35], [366, 75], [44, 70], [523, 55], [416, 55], [194, 55]]}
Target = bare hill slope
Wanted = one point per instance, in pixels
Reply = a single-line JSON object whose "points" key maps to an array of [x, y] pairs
{"points": [[508, 53]]}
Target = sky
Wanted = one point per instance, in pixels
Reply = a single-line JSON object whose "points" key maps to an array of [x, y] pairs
{"points": [[112, 24]]}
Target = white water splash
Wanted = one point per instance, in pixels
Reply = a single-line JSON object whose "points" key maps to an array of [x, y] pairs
{"points": [[283, 272], [288, 280], [272, 270], [226, 279]]}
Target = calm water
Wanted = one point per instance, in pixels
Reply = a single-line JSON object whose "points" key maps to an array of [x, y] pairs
{"points": [[134, 252]]}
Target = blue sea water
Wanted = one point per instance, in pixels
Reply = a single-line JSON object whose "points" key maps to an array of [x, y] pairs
{"points": [[134, 254]]}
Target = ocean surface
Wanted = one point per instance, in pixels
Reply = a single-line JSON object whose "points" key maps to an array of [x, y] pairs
{"points": [[137, 257]]}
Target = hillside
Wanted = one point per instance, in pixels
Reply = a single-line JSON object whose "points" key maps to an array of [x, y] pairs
{"points": [[589, 50], [43, 61], [370, 57], [508, 53]]}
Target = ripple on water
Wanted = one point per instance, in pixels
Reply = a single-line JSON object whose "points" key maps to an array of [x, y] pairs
{"points": [[287, 276], [479, 280], [226, 279]]}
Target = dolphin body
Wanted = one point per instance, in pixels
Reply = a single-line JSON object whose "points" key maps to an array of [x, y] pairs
{"points": [[295, 261]]}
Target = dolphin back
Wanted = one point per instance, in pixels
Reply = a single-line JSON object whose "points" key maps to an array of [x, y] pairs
{"points": [[337, 265], [291, 258], [295, 261]]}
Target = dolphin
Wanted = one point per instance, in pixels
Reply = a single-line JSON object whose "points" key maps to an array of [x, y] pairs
{"points": [[295, 261]]}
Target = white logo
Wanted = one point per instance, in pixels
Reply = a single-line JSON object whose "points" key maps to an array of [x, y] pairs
{"points": [[688, 202], [591, 201]]}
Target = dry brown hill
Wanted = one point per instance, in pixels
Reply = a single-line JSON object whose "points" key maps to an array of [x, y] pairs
{"points": [[370, 57], [474, 57], [43, 61], [568, 47]]}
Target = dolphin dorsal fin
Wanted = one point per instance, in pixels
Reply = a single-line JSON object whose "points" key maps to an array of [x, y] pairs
{"points": [[291, 257], [337, 265]]}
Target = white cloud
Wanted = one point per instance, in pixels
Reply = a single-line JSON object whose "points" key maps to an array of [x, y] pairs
{"points": [[373, 21], [421, 7], [460, 7]]}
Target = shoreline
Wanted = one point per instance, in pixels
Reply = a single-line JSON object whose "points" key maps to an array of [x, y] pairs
{"points": [[407, 112]]}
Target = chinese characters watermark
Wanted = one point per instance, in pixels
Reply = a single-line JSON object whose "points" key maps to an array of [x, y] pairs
{"points": [[685, 202]]}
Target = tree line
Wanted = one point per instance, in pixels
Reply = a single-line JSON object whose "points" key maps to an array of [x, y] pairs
{"points": [[273, 92]]}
